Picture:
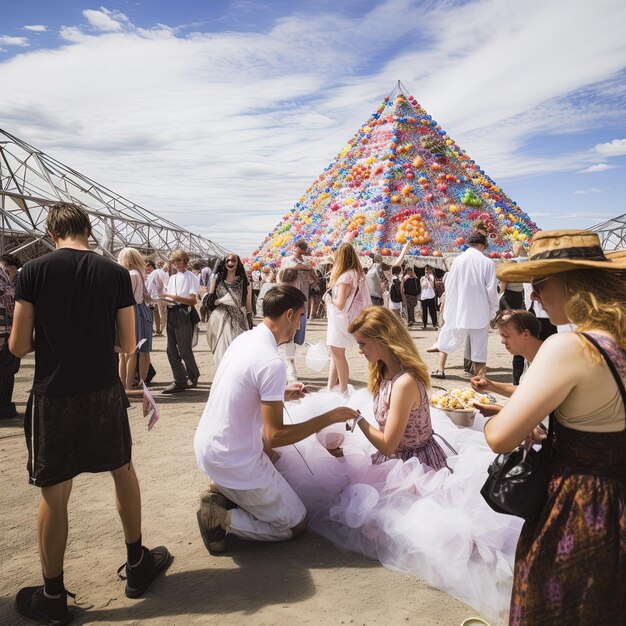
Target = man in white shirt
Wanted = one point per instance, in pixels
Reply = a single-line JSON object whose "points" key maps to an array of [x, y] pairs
{"points": [[243, 421], [305, 278], [471, 303], [182, 293]]}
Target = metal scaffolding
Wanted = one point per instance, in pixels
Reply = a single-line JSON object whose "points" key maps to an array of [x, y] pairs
{"points": [[612, 233], [30, 181]]}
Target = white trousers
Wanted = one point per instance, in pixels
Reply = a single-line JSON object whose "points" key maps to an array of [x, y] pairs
{"points": [[450, 339], [266, 514]]}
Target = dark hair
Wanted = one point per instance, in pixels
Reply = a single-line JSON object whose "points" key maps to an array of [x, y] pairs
{"points": [[11, 259], [396, 269], [197, 265], [289, 275], [151, 264], [302, 244], [521, 319], [477, 238], [222, 273], [280, 299], [68, 220]]}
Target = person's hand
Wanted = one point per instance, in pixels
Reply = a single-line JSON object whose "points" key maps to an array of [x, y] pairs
{"points": [[295, 391], [342, 414], [488, 410], [480, 383]]}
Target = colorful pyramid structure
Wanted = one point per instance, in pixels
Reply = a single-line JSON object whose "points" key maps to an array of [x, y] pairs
{"points": [[399, 179]]}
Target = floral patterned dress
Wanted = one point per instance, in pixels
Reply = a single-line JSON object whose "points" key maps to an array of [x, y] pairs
{"points": [[570, 568], [418, 440]]}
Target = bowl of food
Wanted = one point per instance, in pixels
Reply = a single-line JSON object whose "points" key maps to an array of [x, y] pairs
{"points": [[461, 417], [458, 405]]}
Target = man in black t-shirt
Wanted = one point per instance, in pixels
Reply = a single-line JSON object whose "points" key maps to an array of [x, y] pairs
{"points": [[77, 302]]}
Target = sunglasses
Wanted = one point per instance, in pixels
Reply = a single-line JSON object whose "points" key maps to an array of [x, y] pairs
{"points": [[504, 317], [538, 285]]}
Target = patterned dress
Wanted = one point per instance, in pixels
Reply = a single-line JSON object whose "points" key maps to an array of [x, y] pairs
{"points": [[418, 440], [570, 568]]}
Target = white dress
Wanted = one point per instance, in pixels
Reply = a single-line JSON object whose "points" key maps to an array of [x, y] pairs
{"points": [[337, 334], [433, 524]]}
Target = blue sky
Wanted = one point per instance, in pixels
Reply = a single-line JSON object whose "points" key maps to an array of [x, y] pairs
{"points": [[218, 115]]}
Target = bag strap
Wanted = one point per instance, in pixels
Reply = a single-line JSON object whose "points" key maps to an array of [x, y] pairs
{"points": [[609, 362]]}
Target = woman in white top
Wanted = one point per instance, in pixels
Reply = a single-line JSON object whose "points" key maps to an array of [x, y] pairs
{"points": [[428, 297], [346, 277], [135, 264]]}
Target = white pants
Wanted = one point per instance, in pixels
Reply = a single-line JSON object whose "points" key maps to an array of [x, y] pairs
{"points": [[450, 339], [266, 514]]}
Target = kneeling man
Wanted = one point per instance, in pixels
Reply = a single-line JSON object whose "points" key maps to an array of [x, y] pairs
{"points": [[243, 421]]}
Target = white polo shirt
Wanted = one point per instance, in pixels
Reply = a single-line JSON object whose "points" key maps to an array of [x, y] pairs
{"points": [[228, 441]]}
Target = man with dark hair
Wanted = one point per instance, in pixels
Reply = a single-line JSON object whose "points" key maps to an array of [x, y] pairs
{"points": [[243, 421], [471, 302], [76, 302], [411, 288]]}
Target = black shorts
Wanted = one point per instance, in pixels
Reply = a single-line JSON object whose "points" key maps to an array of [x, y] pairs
{"points": [[69, 435]]}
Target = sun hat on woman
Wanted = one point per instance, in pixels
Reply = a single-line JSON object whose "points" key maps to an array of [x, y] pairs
{"points": [[556, 251]]}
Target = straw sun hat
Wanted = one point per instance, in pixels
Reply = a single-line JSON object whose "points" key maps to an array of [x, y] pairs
{"points": [[555, 251]]}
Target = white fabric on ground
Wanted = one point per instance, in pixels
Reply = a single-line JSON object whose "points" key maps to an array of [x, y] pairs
{"points": [[432, 524]]}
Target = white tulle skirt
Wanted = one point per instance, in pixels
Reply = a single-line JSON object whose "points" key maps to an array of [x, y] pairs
{"points": [[432, 524]]}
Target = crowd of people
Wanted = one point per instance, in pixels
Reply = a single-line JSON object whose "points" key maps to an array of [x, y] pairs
{"points": [[374, 470]]}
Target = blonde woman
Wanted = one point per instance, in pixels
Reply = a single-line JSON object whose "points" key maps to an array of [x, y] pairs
{"points": [[132, 260], [399, 381], [346, 279], [570, 565]]}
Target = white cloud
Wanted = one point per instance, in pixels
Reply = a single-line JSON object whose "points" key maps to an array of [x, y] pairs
{"points": [[223, 131], [598, 167], [8, 40], [36, 28], [106, 21], [584, 192], [617, 147]]}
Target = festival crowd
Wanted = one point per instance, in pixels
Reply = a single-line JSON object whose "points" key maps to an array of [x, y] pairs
{"points": [[376, 470]]}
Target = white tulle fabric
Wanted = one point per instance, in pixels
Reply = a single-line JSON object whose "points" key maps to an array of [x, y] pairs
{"points": [[432, 524]]}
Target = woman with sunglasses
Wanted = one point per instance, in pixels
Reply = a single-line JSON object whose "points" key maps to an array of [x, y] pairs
{"points": [[230, 299], [571, 564]]}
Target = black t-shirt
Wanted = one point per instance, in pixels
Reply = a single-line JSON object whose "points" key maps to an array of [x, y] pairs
{"points": [[412, 286], [76, 295]]}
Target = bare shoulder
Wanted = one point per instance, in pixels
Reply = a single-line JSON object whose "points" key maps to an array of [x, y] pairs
{"points": [[407, 384]]}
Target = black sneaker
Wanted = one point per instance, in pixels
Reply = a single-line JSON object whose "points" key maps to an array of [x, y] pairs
{"points": [[138, 578], [174, 388], [31, 602]]}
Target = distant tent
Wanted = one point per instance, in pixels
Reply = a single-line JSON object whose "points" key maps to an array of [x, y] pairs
{"points": [[30, 181], [400, 179], [612, 233]]}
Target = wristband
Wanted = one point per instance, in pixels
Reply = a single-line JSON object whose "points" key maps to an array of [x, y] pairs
{"points": [[357, 419]]}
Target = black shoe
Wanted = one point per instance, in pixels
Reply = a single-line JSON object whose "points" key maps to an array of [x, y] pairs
{"points": [[138, 578], [31, 602], [193, 383], [174, 388]]}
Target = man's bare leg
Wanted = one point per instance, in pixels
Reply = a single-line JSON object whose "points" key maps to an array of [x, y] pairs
{"points": [[52, 527]]}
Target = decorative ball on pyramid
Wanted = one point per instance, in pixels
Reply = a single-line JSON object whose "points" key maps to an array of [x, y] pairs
{"points": [[400, 179]]}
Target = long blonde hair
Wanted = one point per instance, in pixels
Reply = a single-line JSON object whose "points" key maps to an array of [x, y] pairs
{"points": [[381, 324], [131, 259], [346, 259], [596, 299]]}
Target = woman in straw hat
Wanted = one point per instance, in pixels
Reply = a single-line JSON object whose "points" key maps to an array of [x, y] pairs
{"points": [[570, 566]]}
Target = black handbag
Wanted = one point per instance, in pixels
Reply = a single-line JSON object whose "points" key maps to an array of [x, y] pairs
{"points": [[517, 482], [208, 302]]}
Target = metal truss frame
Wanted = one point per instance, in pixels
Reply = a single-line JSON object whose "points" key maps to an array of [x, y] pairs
{"points": [[30, 181], [612, 233]]}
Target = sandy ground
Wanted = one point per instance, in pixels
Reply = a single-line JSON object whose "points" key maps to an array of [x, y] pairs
{"points": [[303, 581]]}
